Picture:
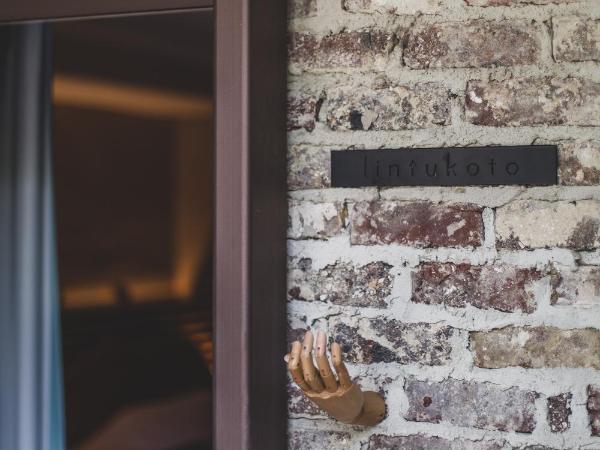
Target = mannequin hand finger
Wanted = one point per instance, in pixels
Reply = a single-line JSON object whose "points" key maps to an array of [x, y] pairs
{"points": [[340, 367], [311, 375], [295, 366], [323, 363]]}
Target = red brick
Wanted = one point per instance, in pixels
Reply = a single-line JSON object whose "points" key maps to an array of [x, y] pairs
{"points": [[361, 49], [421, 224], [559, 412], [388, 107], [593, 407], [476, 43], [302, 110], [421, 442], [381, 340], [341, 283], [308, 167], [533, 101], [314, 440], [501, 287]]}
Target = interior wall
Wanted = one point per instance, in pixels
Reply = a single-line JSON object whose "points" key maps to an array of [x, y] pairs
{"points": [[474, 310]]}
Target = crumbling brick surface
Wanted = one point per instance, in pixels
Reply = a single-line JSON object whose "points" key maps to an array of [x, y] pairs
{"points": [[501, 287], [533, 101], [593, 408], [543, 224], [576, 39], [479, 405], [475, 43], [341, 283], [536, 347], [559, 412], [421, 224], [475, 309]]}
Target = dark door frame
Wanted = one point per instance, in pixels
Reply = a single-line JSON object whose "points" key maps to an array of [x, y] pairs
{"points": [[251, 208]]}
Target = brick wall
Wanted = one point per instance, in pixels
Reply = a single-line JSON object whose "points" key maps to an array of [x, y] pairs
{"points": [[475, 311]]}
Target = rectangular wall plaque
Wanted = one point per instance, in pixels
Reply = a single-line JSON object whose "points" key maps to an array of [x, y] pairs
{"points": [[453, 166]]}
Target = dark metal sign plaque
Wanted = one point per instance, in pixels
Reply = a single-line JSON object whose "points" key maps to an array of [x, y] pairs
{"points": [[455, 166]]}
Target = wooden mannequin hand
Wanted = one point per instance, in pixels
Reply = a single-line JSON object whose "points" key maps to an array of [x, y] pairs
{"points": [[340, 398]]}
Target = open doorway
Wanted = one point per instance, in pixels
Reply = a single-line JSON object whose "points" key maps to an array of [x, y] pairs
{"points": [[133, 165]]}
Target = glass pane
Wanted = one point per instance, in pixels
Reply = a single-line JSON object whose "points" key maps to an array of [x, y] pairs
{"points": [[133, 158]]}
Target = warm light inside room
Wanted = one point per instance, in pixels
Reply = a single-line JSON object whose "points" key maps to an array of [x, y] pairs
{"points": [[133, 143]]}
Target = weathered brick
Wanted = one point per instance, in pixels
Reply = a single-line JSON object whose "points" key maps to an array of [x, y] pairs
{"points": [[516, 2], [579, 163], [536, 447], [502, 287], [576, 39], [362, 49], [308, 167], [593, 407], [538, 224], [536, 347], [559, 412], [471, 404], [382, 340], [476, 43], [302, 8], [388, 107], [579, 288], [302, 109], [315, 220], [393, 6], [422, 224], [341, 283], [299, 404], [315, 440], [533, 101], [420, 442]]}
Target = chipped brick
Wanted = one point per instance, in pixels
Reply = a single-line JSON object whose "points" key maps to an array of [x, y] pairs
{"points": [[476, 43], [516, 2], [420, 442], [421, 224], [579, 287], [471, 404], [367, 48], [313, 440], [308, 167], [593, 407], [342, 284], [501, 287], [382, 340], [579, 163], [299, 404], [388, 107], [533, 101], [393, 7], [536, 347], [301, 111], [315, 220], [576, 39], [559, 412], [539, 224]]}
